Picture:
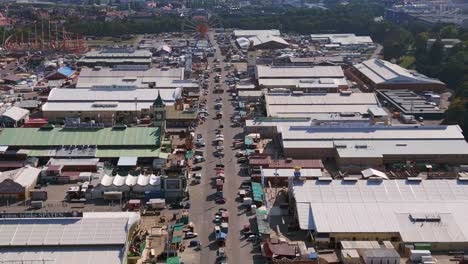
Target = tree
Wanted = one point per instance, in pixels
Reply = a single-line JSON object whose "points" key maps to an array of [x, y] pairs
{"points": [[393, 50], [450, 31], [436, 53]]}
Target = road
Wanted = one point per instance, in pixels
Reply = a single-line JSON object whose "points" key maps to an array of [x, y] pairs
{"points": [[202, 195], [377, 51]]}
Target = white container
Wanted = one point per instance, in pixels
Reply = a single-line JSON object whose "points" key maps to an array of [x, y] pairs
{"points": [[416, 255]]}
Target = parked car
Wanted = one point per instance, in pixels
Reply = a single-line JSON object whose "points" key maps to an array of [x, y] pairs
{"points": [[220, 201], [190, 235], [196, 168]]}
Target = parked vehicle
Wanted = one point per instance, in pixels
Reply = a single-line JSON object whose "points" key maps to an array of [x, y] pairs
{"points": [[220, 201], [190, 235], [196, 168]]}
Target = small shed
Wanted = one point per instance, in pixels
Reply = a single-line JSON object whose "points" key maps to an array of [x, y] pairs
{"points": [[14, 117]]}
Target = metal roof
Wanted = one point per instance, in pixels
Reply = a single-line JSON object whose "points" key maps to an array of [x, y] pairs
{"points": [[262, 39], [339, 206], [131, 136], [25, 176], [66, 71], [110, 94], [64, 231], [16, 113], [60, 255], [361, 132], [277, 72], [127, 161], [306, 172], [257, 192], [250, 33], [380, 71], [321, 99]]}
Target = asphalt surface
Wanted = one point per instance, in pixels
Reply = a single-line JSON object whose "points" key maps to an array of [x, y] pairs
{"points": [[202, 195]]}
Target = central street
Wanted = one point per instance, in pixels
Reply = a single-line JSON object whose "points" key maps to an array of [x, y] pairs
{"points": [[202, 196]]}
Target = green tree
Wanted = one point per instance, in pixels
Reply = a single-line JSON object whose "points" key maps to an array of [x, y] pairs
{"points": [[436, 53], [450, 31]]}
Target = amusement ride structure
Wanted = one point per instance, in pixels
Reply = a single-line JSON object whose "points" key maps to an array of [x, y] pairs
{"points": [[45, 36]]}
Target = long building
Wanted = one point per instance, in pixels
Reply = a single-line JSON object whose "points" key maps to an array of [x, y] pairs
{"points": [[134, 77], [345, 40], [302, 78], [380, 74], [406, 212], [357, 147], [252, 33], [309, 105], [112, 57], [105, 105], [72, 238], [82, 142]]}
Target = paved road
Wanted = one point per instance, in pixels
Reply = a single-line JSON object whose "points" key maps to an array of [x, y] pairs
{"points": [[202, 195], [377, 51]]}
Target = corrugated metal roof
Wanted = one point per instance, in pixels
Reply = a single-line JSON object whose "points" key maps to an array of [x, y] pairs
{"points": [[131, 136], [380, 71], [59, 255], [385, 206], [257, 192], [16, 113], [66, 71], [66, 231], [299, 72], [250, 33]]}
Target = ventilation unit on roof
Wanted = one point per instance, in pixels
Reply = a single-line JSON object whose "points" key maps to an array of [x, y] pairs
{"points": [[350, 179], [340, 145], [325, 179], [361, 146], [425, 217], [414, 179]]}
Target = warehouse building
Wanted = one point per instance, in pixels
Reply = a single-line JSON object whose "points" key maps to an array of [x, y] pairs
{"points": [[80, 142], [343, 40], [16, 184], [339, 105], [252, 33], [358, 147], [116, 56], [72, 238], [105, 105], [408, 102], [262, 42], [380, 74], [129, 76], [405, 212], [301, 78]]}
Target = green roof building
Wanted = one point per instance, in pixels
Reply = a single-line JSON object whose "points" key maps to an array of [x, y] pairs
{"points": [[84, 142]]}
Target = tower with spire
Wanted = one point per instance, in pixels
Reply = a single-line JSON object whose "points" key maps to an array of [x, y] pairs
{"points": [[251, 59], [159, 113]]}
